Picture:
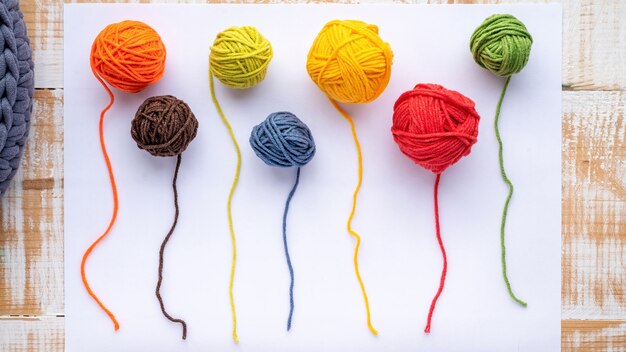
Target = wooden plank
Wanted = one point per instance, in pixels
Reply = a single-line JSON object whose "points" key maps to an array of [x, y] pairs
{"points": [[44, 21], [594, 196], [594, 205], [593, 336], [32, 334], [31, 213], [593, 45]]}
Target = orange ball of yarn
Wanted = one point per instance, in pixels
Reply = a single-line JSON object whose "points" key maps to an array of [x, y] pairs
{"points": [[128, 55], [433, 126]]}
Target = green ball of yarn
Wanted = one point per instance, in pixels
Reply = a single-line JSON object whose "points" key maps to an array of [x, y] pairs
{"points": [[501, 44], [240, 56]]}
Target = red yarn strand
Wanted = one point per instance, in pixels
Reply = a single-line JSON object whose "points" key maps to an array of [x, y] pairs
{"points": [[443, 253], [435, 127]]}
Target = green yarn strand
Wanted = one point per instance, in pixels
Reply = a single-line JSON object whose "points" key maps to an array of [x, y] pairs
{"points": [[508, 198], [501, 44]]}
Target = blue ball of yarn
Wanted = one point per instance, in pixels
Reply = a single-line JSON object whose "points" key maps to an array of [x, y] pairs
{"points": [[283, 140]]}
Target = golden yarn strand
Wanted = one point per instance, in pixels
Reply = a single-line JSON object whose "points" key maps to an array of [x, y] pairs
{"points": [[239, 59], [229, 206], [349, 224], [350, 63]]}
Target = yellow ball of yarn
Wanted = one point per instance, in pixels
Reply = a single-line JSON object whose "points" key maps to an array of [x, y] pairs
{"points": [[349, 62], [239, 57]]}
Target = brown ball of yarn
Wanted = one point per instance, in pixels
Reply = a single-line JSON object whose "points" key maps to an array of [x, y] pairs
{"points": [[164, 126]]}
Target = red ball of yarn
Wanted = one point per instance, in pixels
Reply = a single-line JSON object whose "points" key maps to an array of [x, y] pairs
{"points": [[434, 126]]}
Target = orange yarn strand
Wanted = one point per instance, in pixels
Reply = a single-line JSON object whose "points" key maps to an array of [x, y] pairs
{"points": [[130, 56], [115, 208]]}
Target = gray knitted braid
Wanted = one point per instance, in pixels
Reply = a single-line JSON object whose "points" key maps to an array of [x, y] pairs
{"points": [[17, 87]]}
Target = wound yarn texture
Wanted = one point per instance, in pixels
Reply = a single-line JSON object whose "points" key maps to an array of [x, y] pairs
{"points": [[283, 140], [240, 56], [502, 45], [349, 62], [128, 55], [435, 127], [16, 90], [164, 126]]}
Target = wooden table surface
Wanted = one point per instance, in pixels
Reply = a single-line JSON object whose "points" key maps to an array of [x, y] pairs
{"points": [[593, 291]]}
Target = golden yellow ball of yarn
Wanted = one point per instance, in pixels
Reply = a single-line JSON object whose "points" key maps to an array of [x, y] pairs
{"points": [[239, 57], [349, 62]]}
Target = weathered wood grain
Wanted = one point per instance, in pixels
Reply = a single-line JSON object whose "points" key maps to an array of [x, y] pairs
{"points": [[31, 240], [594, 185], [32, 334], [594, 205], [594, 45], [593, 336], [44, 21]]}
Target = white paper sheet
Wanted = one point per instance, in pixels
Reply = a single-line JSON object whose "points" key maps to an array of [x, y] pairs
{"points": [[399, 259]]}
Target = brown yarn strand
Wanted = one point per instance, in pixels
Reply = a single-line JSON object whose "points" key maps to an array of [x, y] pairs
{"points": [[162, 251], [164, 126]]}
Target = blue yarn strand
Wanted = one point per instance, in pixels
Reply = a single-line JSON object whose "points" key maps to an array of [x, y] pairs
{"points": [[291, 305], [283, 140]]}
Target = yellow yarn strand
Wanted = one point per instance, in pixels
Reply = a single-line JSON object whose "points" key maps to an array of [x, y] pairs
{"points": [[239, 59], [350, 63], [349, 224], [229, 203]]}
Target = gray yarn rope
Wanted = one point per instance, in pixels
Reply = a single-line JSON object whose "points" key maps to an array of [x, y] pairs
{"points": [[17, 86], [283, 140]]}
